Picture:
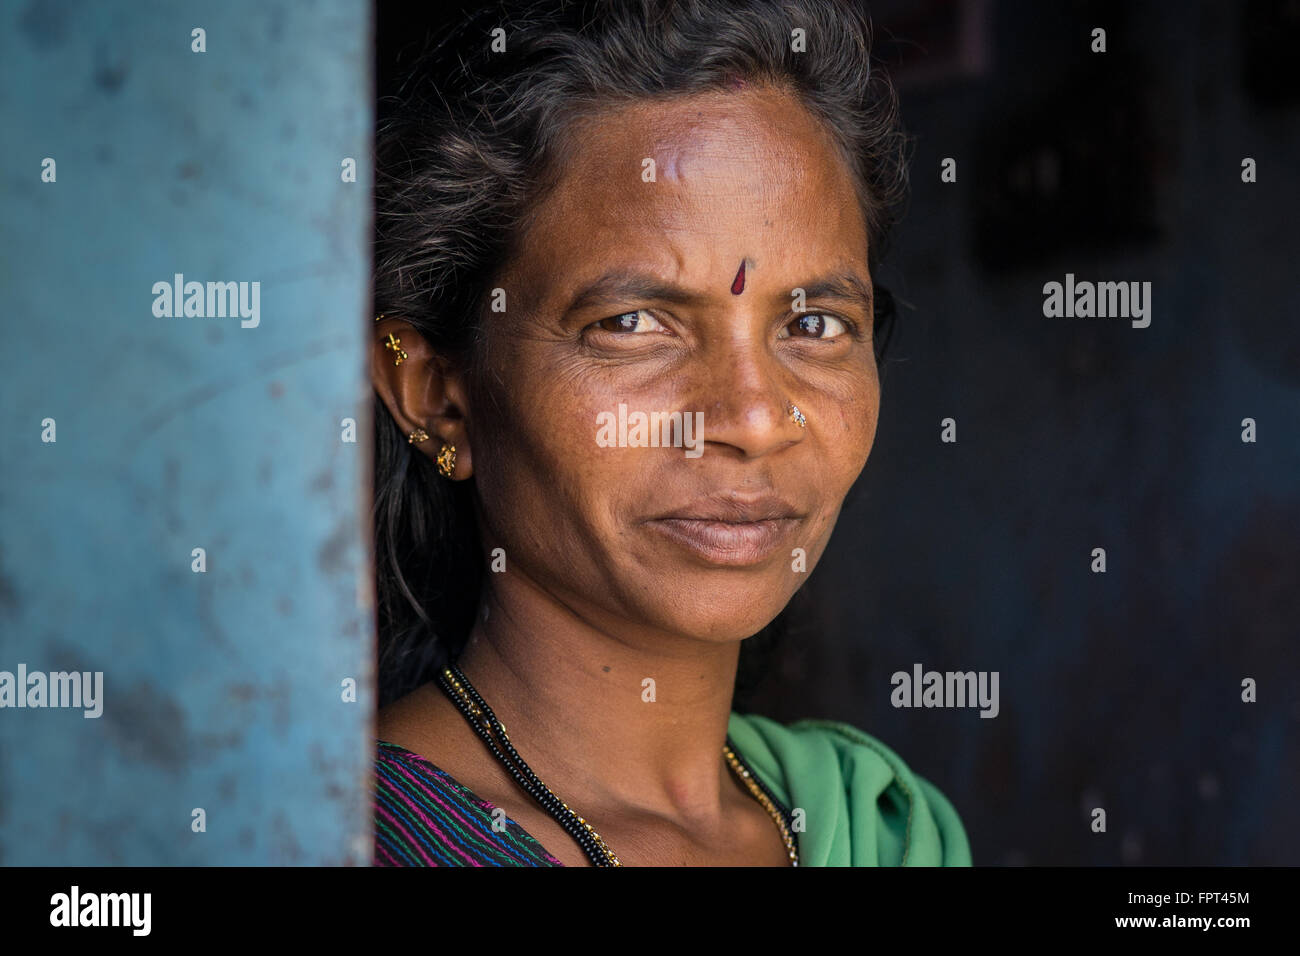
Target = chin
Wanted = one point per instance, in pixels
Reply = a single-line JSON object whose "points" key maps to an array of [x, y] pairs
{"points": [[724, 621]]}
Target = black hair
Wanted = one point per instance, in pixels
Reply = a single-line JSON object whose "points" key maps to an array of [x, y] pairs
{"points": [[467, 146]]}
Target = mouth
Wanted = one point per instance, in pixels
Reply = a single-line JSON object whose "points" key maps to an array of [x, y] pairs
{"points": [[730, 531], [730, 544]]}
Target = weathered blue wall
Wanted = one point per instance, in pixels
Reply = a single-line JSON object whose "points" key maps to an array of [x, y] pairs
{"points": [[222, 690]]}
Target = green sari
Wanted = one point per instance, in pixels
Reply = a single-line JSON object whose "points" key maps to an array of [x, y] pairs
{"points": [[861, 805]]}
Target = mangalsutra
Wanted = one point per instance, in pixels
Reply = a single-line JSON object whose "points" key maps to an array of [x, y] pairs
{"points": [[462, 693]]}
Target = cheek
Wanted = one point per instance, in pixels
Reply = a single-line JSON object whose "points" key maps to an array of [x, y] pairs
{"points": [[843, 441], [851, 406], [539, 457], [860, 421]]}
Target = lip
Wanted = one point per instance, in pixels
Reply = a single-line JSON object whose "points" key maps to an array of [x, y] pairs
{"points": [[730, 530], [732, 544]]}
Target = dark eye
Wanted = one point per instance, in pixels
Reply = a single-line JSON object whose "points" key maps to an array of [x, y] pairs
{"points": [[814, 325], [634, 322]]}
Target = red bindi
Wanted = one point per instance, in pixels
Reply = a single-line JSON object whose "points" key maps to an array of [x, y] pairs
{"points": [[738, 284]]}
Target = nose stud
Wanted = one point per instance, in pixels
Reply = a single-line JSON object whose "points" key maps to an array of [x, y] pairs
{"points": [[797, 416]]}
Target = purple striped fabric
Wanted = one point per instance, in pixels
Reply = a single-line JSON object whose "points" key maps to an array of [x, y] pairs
{"points": [[425, 817]]}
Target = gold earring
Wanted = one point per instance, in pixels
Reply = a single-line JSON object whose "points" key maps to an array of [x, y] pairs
{"points": [[380, 316], [394, 344], [447, 460], [797, 416], [417, 436]]}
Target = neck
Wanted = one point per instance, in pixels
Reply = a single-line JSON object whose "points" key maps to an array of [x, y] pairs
{"points": [[575, 700]]}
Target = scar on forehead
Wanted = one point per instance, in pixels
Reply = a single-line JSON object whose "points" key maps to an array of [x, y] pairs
{"points": [[738, 283]]}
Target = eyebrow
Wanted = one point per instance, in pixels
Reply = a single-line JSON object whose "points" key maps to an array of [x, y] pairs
{"points": [[621, 286], [625, 286], [845, 286]]}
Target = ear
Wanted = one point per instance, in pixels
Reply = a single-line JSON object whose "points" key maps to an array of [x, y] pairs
{"points": [[421, 390]]}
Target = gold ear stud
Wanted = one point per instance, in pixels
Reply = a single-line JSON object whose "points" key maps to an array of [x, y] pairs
{"points": [[395, 344], [417, 436], [447, 460]]}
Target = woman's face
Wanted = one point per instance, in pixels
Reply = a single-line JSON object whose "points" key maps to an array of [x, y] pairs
{"points": [[626, 292]]}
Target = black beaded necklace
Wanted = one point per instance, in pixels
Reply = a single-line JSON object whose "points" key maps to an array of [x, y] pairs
{"points": [[462, 693]]}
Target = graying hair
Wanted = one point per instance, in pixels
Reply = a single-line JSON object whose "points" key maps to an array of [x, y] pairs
{"points": [[472, 142]]}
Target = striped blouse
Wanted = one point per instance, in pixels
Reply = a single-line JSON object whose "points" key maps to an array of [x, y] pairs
{"points": [[425, 817], [859, 803]]}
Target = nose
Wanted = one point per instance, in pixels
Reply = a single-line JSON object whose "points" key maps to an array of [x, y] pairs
{"points": [[745, 401]]}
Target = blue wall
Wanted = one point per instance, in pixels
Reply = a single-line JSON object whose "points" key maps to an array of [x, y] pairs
{"points": [[222, 690]]}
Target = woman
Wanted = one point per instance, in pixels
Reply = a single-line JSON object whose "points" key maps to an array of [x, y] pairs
{"points": [[625, 360]]}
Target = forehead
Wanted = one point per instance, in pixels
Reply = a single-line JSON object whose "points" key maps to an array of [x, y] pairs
{"points": [[692, 184]]}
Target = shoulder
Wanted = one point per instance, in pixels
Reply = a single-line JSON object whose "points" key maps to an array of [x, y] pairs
{"points": [[425, 817], [863, 805]]}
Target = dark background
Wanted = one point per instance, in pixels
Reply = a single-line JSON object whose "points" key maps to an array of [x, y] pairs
{"points": [[1119, 690]]}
